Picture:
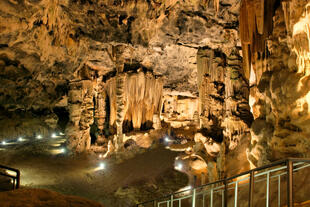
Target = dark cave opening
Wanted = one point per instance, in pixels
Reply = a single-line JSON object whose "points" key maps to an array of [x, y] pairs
{"points": [[63, 117], [94, 132], [107, 117], [94, 127]]}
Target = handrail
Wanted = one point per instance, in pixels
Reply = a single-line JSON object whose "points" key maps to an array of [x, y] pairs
{"points": [[16, 178], [289, 166]]}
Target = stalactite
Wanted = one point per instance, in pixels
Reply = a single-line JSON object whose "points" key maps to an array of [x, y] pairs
{"points": [[216, 5], [255, 27], [142, 92], [286, 10], [259, 15]]}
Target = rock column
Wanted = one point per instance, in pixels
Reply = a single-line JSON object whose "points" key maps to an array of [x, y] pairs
{"points": [[80, 104], [100, 115], [120, 97]]}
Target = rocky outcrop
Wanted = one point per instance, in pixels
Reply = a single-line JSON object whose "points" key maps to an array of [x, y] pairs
{"points": [[45, 45], [279, 62], [225, 115], [179, 110], [81, 110]]}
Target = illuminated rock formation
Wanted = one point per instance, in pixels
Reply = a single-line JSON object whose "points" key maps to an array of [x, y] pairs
{"points": [[81, 109], [141, 101], [225, 115], [179, 110], [277, 65], [128, 66]]}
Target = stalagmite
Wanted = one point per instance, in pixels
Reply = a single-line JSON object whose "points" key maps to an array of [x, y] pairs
{"points": [[100, 115], [81, 115]]}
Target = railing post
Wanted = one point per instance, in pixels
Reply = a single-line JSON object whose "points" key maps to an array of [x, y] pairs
{"points": [[211, 197], [236, 194], [225, 193], [194, 198], [17, 179], [267, 189], [171, 200], [279, 191], [251, 190], [203, 199], [290, 183], [223, 199], [154, 203]]}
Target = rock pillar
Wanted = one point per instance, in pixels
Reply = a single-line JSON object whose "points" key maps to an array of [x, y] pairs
{"points": [[80, 104]]}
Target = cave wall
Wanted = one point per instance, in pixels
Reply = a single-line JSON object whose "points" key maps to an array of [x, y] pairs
{"points": [[225, 116], [277, 51], [46, 45], [179, 110]]}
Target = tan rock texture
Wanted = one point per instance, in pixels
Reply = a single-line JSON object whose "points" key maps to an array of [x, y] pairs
{"points": [[46, 46], [278, 75]]}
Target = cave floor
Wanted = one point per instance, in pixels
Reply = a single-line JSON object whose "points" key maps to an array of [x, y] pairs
{"points": [[42, 167]]}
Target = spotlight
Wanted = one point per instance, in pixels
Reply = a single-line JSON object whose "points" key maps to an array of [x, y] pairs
{"points": [[101, 166], [179, 166], [39, 136], [62, 150], [3, 142], [54, 135], [20, 139], [100, 156], [60, 133], [167, 139]]}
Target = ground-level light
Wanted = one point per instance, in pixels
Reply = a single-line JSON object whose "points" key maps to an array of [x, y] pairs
{"points": [[54, 135], [3, 142], [167, 139], [20, 139], [101, 166], [179, 166], [39, 136]]}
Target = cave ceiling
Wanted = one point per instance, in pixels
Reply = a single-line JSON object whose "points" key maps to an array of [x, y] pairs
{"points": [[45, 44]]}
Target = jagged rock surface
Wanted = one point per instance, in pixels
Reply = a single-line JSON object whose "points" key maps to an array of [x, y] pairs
{"points": [[45, 45], [224, 111], [279, 79]]}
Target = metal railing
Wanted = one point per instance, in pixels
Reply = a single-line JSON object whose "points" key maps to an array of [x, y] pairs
{"points": [[273, 171], [11, 173]]}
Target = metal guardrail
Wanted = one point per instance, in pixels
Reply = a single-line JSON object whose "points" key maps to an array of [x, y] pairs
{"points": [[286, 167], [15, 178]]}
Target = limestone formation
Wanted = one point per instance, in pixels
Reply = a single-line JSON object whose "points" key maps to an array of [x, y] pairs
{"points": [[223, 103], [81, 110], [233, 75], [279, 78], [179, 110]]}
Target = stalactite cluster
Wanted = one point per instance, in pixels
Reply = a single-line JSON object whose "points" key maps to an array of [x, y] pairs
{"points": [[223, 98], [142, 94], [277, 66], [255, 27]]}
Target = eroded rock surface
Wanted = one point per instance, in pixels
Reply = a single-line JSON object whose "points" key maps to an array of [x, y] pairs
{"points": [[279, 82]]}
